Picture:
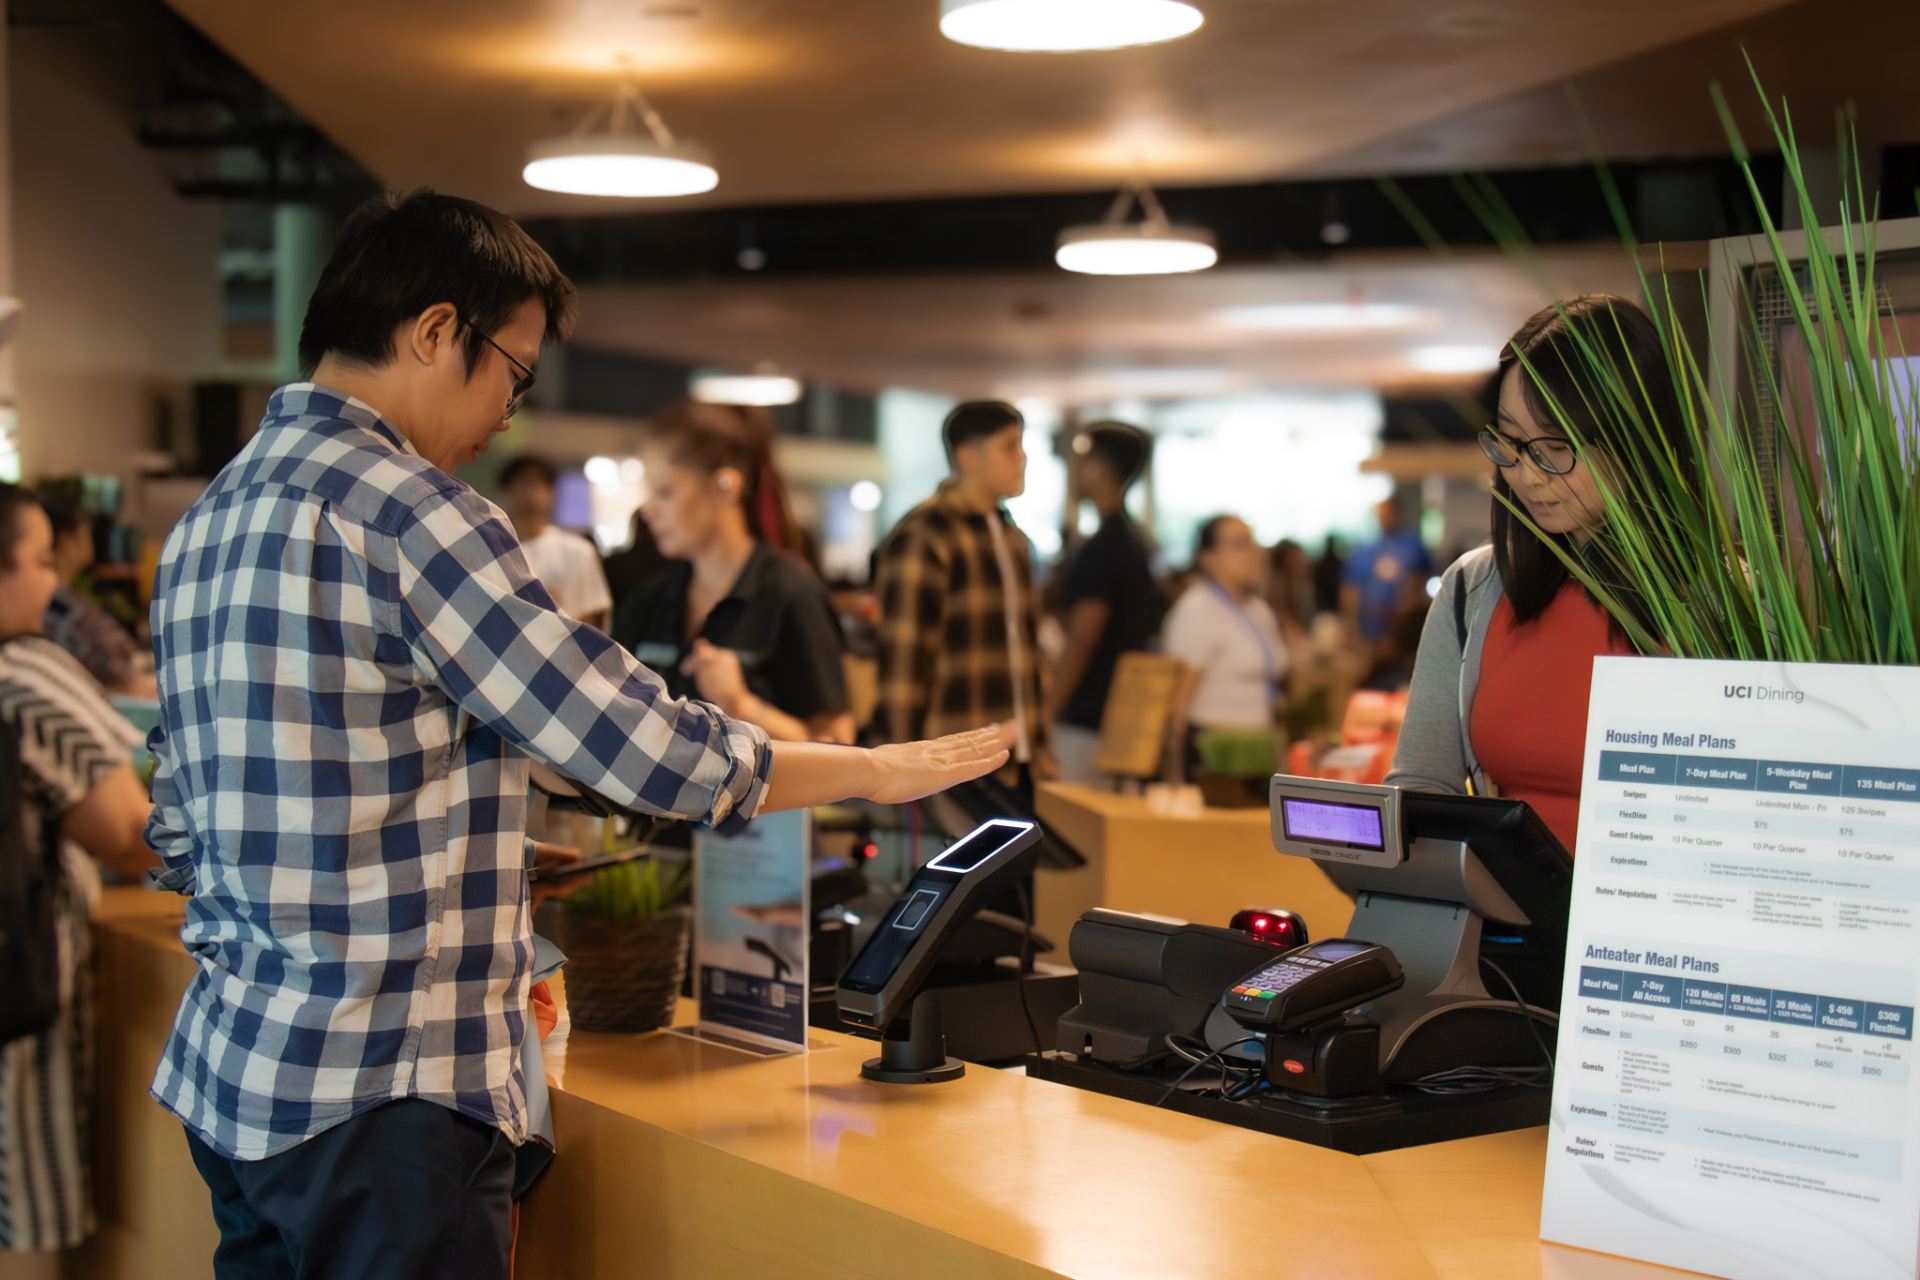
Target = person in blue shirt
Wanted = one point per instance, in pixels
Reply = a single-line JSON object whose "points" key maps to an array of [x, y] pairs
{"points": [[1384, 578], [357, 671]]}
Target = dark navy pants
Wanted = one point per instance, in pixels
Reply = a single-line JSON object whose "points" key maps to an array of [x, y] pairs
{"points": [[407, 1191]]}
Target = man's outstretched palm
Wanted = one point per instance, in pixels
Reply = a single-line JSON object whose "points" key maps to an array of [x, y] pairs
{"points": [[909, 770]]}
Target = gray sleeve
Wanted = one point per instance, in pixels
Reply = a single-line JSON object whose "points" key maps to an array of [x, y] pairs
{"points": [[1431, 755]]}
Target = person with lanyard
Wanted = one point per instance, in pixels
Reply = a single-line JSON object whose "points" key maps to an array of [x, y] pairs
{"points": [[1226, 633], [1113, 604], [83, 808], [1504, 668], [733, 621], [960, 611], [358, 671]]}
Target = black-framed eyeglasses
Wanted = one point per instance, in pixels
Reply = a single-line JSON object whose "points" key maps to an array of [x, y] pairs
{"points": [[522, 384], [1554, 455]]}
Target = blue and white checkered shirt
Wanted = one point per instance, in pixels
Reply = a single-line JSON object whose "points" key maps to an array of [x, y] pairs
{"points": [[355, 666]]}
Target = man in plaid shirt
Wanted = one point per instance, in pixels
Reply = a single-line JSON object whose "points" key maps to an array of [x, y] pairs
{"points": [[960, 612], [356, 669]]}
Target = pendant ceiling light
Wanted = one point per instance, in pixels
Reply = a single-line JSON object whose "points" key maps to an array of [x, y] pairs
{"points": [[1066, 26], [620, 161], [1150, 247]]}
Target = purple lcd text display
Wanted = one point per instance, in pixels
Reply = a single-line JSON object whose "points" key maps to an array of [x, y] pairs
{"points": [[1346, 823]]}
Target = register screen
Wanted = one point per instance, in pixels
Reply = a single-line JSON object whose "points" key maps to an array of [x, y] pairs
{"points": [[1357, 825]]}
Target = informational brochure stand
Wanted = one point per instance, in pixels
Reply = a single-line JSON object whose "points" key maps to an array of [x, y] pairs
{"points": [[751, 907], [1736, 1090]]}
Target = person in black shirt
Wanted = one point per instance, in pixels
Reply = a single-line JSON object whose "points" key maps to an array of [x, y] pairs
{"points": [[736, 623], [629, 568], [1113, 604]]}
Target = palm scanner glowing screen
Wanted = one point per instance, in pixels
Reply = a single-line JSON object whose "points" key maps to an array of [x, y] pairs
{"points": [[939, 897]]}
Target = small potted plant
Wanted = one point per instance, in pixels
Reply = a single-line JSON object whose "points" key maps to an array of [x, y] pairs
{"points": [[626, 936]]}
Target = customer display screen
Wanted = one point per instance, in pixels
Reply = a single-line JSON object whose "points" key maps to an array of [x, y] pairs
{"points": [[1355, 825], [896, 935]]}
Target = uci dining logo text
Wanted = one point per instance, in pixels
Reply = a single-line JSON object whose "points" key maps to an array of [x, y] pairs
{"points": [[1761, 693]]}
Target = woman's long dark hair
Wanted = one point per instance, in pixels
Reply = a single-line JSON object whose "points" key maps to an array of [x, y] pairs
{"points": [[1560, 345]]}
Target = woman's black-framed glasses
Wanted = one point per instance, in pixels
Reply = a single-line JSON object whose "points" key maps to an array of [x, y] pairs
{"points": [[1554, 455], [522, 384]]}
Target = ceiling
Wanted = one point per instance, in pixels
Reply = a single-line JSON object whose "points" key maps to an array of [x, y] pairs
{"points": [[1820, 56], [830, 103], [863, 99], [1079, 340]]}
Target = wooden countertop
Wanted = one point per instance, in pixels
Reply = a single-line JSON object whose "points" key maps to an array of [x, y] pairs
{"points": [[680, 1158]]}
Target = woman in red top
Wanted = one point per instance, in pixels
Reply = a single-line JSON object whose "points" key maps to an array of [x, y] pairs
{"points": [[1500, 686]]}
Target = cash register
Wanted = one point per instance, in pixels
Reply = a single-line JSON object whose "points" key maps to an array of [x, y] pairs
{"points": [[1430, 1015]]}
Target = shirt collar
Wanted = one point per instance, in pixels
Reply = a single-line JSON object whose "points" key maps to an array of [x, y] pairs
{"points": [[748, 584], [312, 400], [752, 574], [953, 494]]}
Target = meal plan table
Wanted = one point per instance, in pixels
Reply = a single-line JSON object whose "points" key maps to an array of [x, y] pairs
{"points": [[1735, 1085]]}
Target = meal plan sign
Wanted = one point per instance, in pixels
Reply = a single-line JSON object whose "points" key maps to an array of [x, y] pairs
{"points": [[1736, 1090]]}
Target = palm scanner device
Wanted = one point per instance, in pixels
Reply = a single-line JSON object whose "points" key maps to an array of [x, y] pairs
{"points": [[1443, 882], [879, 988]]}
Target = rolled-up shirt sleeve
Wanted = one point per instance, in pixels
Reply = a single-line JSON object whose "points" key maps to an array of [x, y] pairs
{"points": [[479, 626], [167, 833]]}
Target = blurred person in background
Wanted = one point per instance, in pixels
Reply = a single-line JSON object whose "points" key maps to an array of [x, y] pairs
{"points": [[633, 564], [1226, 633], [95, 637], [1290, 589], [772, 516], [1112, 603], [1329, 570], [567, 564], [1505, 667], [959, 606], [1384, 579], [80, 801], [733, 621]]}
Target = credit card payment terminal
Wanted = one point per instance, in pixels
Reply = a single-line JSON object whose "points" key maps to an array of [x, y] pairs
{"points": [[1312, 983]]}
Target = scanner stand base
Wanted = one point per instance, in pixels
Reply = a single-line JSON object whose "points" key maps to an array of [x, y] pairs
{"points": [[913, 1050]]}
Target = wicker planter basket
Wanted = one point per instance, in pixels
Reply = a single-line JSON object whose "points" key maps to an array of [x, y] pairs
{"points": [[623, 975]]}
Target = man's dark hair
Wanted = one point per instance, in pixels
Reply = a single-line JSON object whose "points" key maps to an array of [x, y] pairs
{"points": [[399, 255], [1124, 448], [529, 464], [976, 420], [65, 511], [1208, 538], [14, 500]]}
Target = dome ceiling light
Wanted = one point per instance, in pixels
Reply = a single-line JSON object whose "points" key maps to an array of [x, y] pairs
{"points": [[1151, 247], [1066, 26], [621, 162]]}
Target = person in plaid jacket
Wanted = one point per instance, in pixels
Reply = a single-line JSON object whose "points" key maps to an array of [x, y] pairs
{"points": [[960, 609]]}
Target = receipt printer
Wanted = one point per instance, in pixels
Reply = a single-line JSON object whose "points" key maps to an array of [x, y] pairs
{"points": [[1146, 977]]}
